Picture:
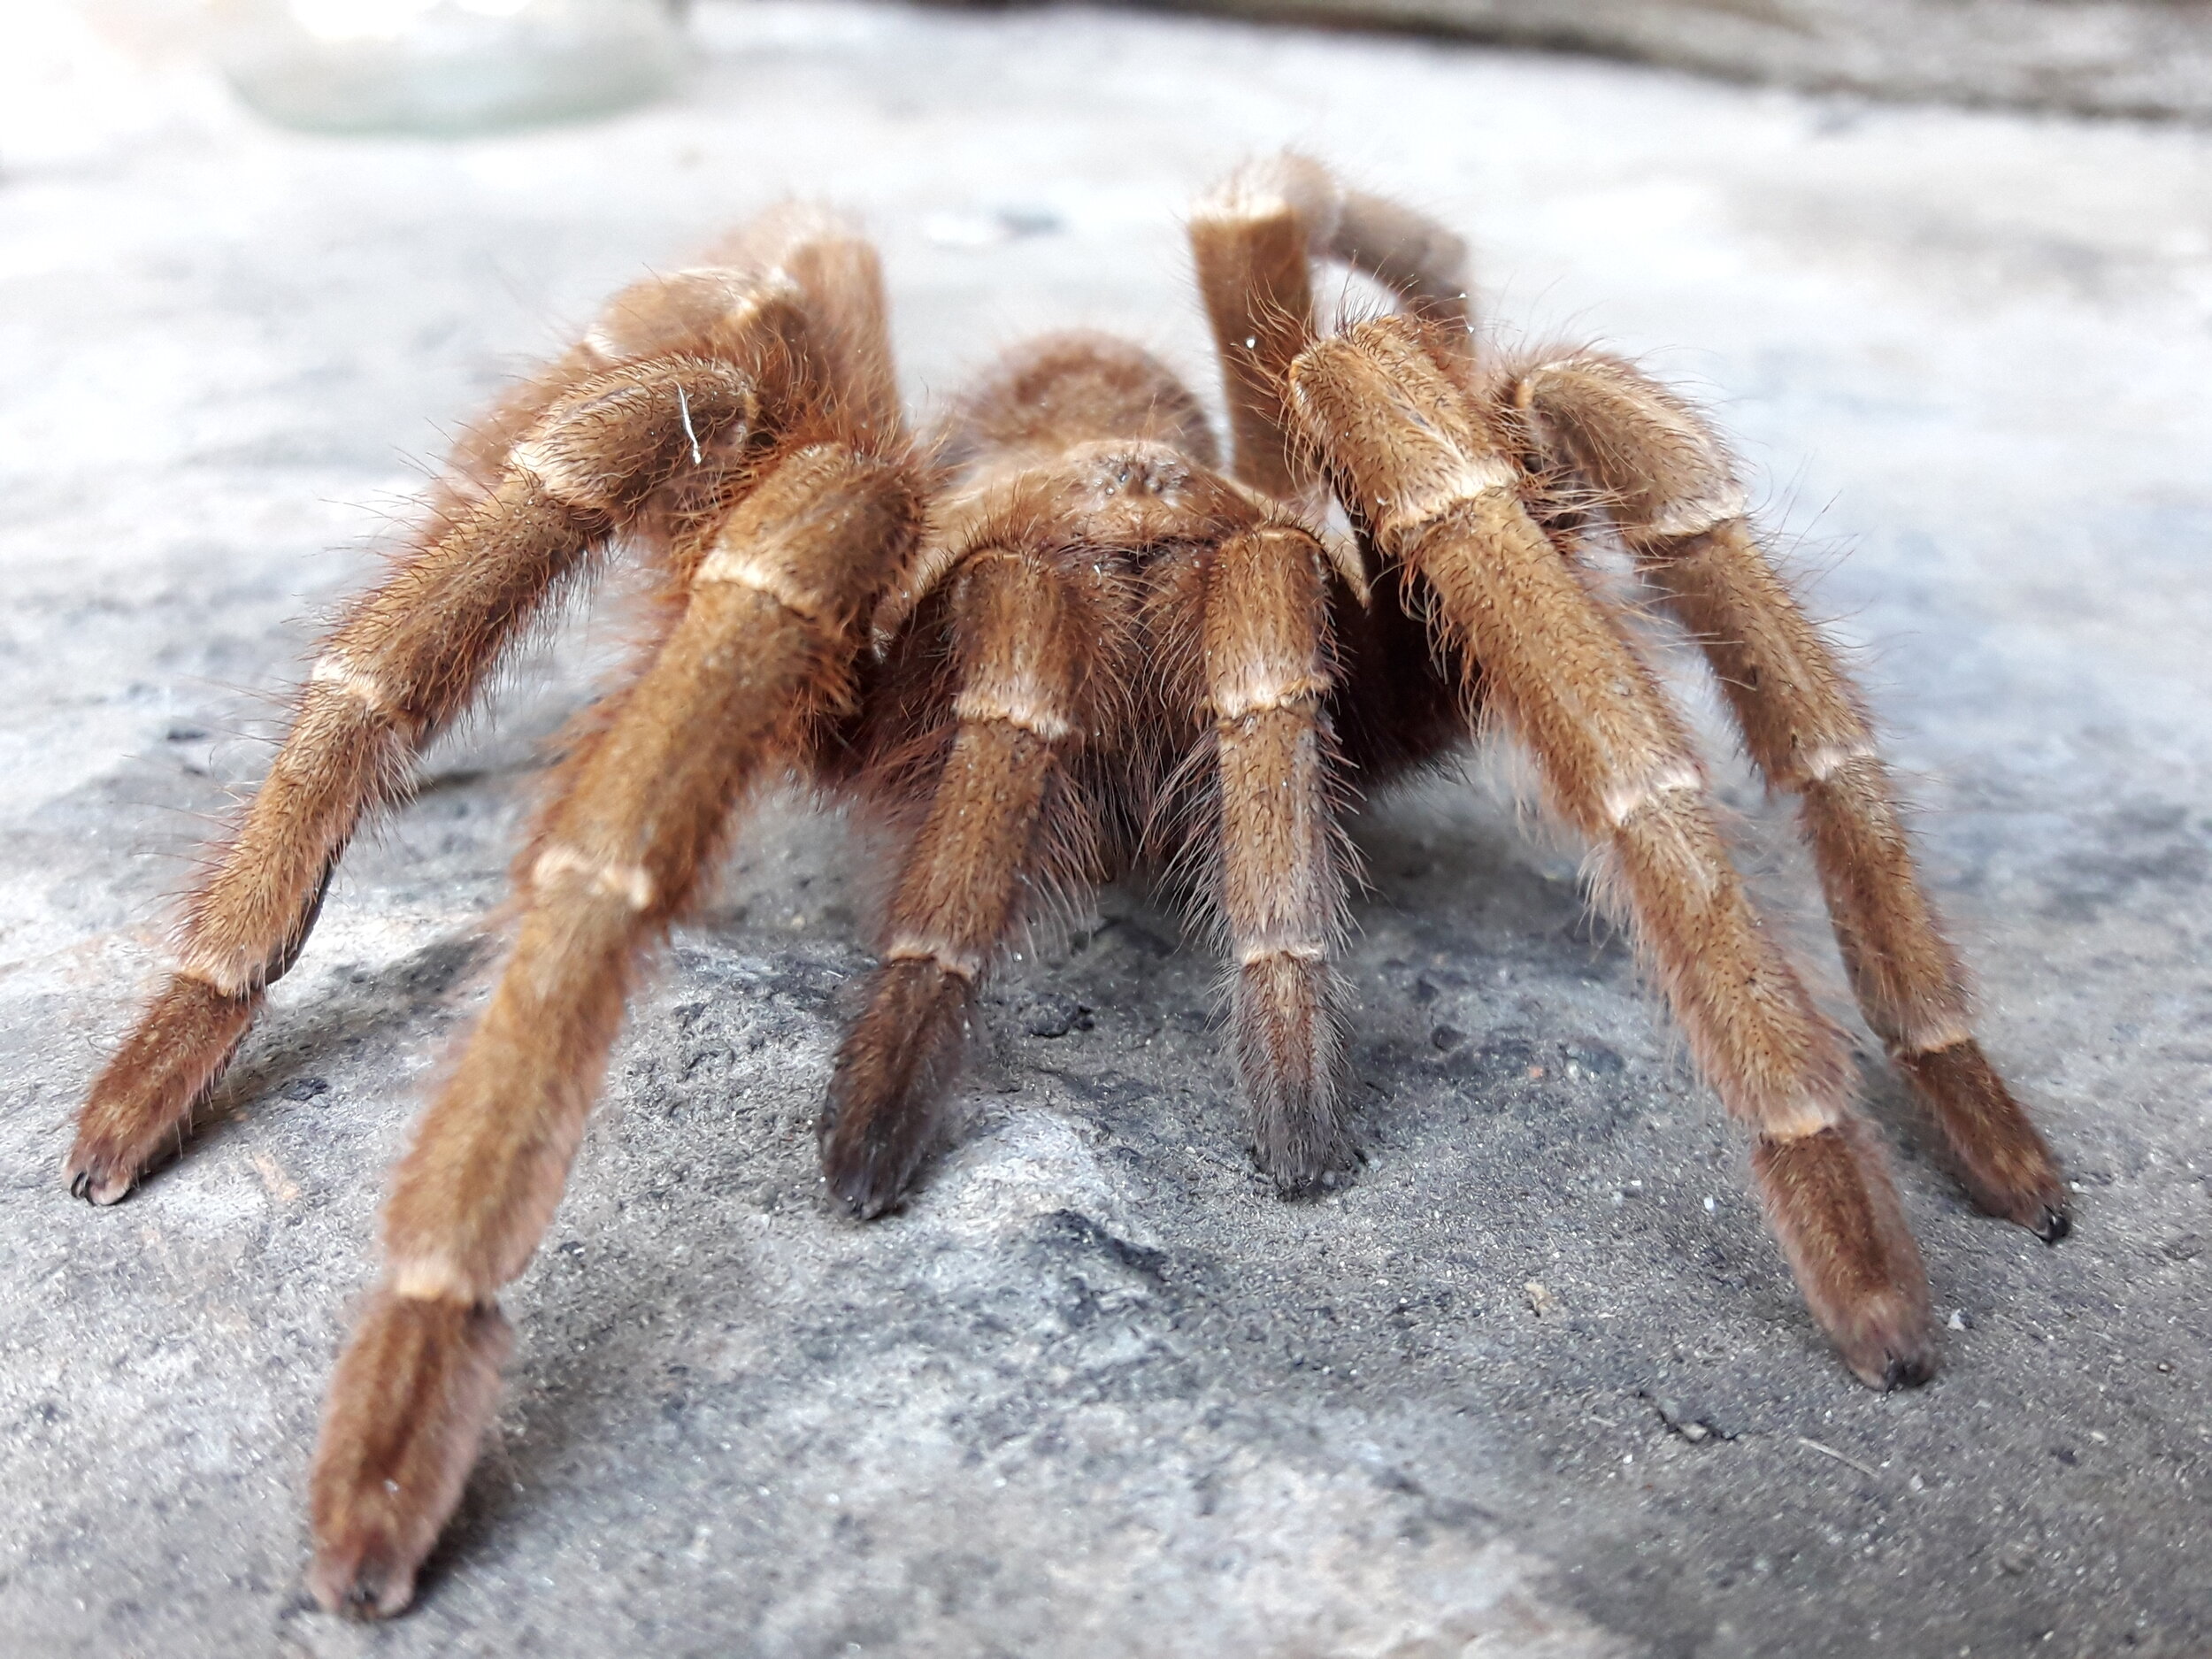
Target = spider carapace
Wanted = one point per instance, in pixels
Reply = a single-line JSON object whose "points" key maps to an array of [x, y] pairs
{"points": [[1059, 636]]}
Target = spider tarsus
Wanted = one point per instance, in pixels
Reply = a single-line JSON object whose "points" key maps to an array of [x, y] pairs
{"points": [[1893, 1347], [411, 1399], [1829, 1200], [102, 1172], [881, 1118], [1290, 1053], [869, 1173], [1310, 1167], [868, 1190], [142, 1102], [2042, 1212], [2007, 1170], [1305, 1189], [361, 1585]]}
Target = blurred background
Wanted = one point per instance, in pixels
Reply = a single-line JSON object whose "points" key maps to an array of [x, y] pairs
{"points": [[451, 64], [1944, 269]]}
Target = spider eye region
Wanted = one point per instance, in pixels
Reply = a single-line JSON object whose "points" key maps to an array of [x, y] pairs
{"points": [[1133, 470], [1127, 495]]}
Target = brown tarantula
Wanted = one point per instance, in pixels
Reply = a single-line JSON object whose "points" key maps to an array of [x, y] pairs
{"points": [[1032, 643]]}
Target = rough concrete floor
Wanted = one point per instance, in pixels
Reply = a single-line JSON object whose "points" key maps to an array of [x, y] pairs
{"points": [[1096, 1391]]}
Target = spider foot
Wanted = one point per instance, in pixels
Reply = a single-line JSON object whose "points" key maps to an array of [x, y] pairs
{"points": [[412, 1394], [1887, 1337], [1889, 1340], [2040, 1206], [868, 1178], [1829, 1198], [1309, 1159], [1999, 1158], [1907, 1370], [882, 1117], [1285, 1009], [364, 1579], [98, 1176], [141, 1104]]}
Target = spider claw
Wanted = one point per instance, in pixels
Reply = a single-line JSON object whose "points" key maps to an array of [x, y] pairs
{"points": [[364, 1582], [93, 1179], [2041, 1208], [1907, 1370], [864, 1187], [1309, 1168]]}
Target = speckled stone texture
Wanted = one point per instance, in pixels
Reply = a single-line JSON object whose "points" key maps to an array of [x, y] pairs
{"points": [[1096, 1391], [2141, 57]]}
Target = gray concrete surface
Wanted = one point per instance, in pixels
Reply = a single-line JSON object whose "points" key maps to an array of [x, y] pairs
{"points": [[2137, 58], [1097, 1392]]}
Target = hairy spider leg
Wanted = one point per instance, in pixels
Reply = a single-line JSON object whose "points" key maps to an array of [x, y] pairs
{"points": [[404, 662], [762, 651], [823, 255], [1254, 238], [407, 1407], [1672, 491], [1004, 821], [1251, 240], [1432, 478], [1068, 449], [1269, 671], [1091, 519], [671, 381], [1420, 261]]}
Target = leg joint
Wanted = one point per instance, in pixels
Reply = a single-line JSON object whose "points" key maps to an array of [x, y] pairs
{"points": [[633, 884], [1624, 801], [1024, 706], [433, 1279], [224, 978], [1259, 693], [1787, 1121], [960, 965], [335, 671], [741, 567], [1283, 950]]}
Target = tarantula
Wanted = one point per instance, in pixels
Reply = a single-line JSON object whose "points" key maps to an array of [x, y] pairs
{"points": [[1031, 644]]}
